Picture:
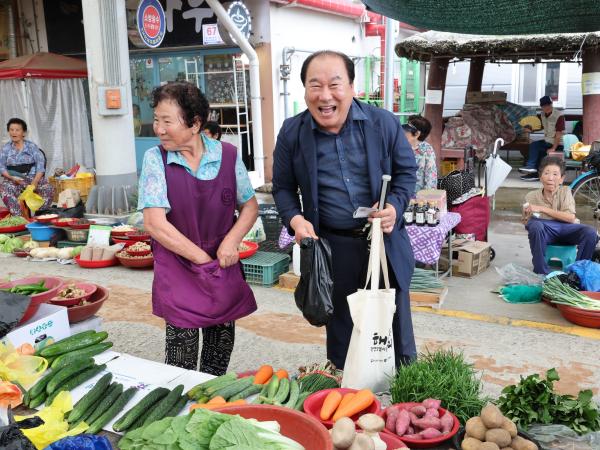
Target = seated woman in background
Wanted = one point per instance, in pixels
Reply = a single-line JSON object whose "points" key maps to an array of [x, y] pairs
{"points": [[212, 130], [22, 164], [549, 215], [416, 130]]}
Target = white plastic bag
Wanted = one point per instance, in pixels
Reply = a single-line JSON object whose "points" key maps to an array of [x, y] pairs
{"points": [[370, 362], [257, 232]]}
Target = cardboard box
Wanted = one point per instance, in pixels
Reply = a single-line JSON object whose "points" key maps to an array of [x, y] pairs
{"points": [[50, 322], [486, 97], [436, 196], [473, 258]]}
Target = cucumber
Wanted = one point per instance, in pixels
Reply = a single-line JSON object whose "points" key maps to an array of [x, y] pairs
{"points": [[282, 392], [78, 379], [66, 373], [164, 406], [179, 405], [40, 386], [145, 405], [27, 398], [78, 342], [37, 401], [192, 393], [68, 340], [294, 394], [233, 389], [88, 413], [272, 387], [217, 387], [140, 420], [262, 394], [113, 410], [86, 402], [115, 390], [88, 352], [300, 403], [250, 390]]}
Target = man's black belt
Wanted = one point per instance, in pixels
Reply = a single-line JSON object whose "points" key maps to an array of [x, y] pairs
{"points": [[353, 232]]}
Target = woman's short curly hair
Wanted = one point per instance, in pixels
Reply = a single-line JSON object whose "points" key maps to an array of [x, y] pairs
{"points": [[190, 99], [16, 121]]}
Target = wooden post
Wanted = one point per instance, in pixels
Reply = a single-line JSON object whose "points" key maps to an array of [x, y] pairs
{"points": [[438, 67], [475, 75], [591, 101]]}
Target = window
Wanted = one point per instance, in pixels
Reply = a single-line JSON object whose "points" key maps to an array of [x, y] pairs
{"points": [[536, 80]]}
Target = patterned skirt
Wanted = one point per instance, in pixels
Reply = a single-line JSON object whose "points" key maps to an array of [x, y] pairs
{"points": [[9, 192]]}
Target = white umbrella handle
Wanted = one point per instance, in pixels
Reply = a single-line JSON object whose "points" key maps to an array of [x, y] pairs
{"points": [[496, 146]]}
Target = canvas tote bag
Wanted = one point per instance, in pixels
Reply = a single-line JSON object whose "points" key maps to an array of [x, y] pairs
{"points": [[370, 361]]}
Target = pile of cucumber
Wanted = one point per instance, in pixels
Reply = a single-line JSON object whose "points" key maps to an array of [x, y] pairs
{"points": [[71, 364], [276, 392]]}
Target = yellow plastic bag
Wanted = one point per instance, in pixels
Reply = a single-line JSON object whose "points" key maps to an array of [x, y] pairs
{"points": [[55, 425], [16, 367], [32, 200], [579, 151]]}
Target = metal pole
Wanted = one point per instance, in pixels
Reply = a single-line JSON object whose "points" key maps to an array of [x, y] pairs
{"points": [[388, 97], [12, 38]]}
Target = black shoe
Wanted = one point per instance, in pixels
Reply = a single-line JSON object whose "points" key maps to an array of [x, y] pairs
{"points": [[531, 177], [527, 170]]}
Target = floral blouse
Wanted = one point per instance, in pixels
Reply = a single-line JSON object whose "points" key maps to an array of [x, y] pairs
{"points": [[426, 167], [29, 154]]}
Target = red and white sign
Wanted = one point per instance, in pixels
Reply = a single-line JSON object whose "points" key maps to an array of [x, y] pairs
{"points": [[210, 34]]}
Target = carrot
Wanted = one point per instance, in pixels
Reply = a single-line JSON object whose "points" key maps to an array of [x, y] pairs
{"points": [[263, 374], [345, 399], [216, 405], [218, 400], [361, 401], [282, 373], [330, 404]]}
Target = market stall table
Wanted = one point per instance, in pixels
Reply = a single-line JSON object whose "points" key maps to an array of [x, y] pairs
{"points": [[427, 241]]}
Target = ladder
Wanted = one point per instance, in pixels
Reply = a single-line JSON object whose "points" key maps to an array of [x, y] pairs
{"points": [[240, 98]]}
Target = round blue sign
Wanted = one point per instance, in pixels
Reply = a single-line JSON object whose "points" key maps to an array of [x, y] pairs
{"points": [[151, 22]]}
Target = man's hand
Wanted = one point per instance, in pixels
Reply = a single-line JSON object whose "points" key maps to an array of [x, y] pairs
{"points": [[387, 216], [302, 228], [228, 253]]}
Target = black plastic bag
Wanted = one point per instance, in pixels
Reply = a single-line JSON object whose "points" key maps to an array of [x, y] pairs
{"points": [[75, 212], [314, 293], [12, 310], [11, 437]]}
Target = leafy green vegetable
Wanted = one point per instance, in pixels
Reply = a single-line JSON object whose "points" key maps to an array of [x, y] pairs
{"points": [[12, 221], [204, 424], [10, 244], [443, 375], [246, 434], [533, 400], [4, 238]]}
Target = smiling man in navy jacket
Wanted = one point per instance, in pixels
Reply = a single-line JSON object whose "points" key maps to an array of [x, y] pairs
{"points": [[336, 152]]}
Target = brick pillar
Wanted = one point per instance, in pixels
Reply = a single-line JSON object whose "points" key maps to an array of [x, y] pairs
{"points": [[591, 102], [438, 67]]}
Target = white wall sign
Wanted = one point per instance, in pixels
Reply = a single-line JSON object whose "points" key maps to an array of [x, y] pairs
{"points": [[210, 34], [590, 83], [434, 96]]}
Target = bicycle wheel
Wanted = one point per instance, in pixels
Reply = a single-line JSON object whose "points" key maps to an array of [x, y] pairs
{"points": [[587, 199]]}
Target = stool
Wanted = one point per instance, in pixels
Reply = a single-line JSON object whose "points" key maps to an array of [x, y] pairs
{"points": [[565, 255]]}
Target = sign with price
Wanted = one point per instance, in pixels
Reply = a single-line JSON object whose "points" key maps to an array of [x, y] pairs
{"points": [[151, 22], [49, 324], [210, 34]]}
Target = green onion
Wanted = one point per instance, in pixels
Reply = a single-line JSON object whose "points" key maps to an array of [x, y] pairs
{"points": [[562, 294]]}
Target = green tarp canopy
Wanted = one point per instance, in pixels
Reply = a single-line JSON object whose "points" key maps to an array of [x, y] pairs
{"points": [[497, 17]]}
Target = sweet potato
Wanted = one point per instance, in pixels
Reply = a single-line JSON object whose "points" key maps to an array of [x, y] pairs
{"points": [[410, 430], [432, 412], [475, 428], [402, 423], [447, 422], [432, 403], [430, 433], [418, 411], [413, 417], [428, 422], [390, 421], [416, 437]]}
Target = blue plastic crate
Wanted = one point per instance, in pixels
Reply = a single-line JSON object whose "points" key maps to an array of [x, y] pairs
{"points": [[264, 268]]}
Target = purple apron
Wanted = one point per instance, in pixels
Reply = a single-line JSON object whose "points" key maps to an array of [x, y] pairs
{"points": [[189, 295]]}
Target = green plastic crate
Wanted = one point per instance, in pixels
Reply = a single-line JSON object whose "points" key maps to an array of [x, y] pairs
{"points": [[264, 268]]}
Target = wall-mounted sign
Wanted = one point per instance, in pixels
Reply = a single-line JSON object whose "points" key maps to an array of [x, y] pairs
{"points": [[151, 22], [211, 35], [241, 17], [590, 83]]}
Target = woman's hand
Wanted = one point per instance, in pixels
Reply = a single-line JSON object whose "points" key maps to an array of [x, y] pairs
{"points": [[18, 181], [202, 258], [228, 253]]}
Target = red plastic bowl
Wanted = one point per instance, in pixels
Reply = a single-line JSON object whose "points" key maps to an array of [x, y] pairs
{"points": [[314, 402], [80, 313], [138, 236], [120, 234], [392, 441], [46, 219], [89, 289], [81, 224], [62, 223], [127, 242], [4, 212], [52, 283], [139, 252], [295, 425], [253, 248], [96, 264], [583, 317], [14, 229], [136, 263], [424, 443]]}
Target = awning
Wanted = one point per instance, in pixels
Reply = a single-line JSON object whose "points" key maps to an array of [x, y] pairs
{"points": [[43, 65]]}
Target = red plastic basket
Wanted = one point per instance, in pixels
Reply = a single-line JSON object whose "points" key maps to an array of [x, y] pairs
{"points": [[253, 248], [96, 264]]}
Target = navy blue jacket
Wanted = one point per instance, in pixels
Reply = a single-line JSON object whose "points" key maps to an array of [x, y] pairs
{"points": [[388, 152]]}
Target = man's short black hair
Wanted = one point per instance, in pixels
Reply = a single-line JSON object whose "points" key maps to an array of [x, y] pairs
{"points": [[553, 161], [347, 62], [16, 120]]}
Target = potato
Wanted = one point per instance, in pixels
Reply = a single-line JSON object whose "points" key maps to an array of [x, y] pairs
{"points": [[491, 416], [470, 444], [488, 446], [519, 443], [498, 436], [343, 433], [362, 442], [507, 448], [509, 426], [475, 428]]}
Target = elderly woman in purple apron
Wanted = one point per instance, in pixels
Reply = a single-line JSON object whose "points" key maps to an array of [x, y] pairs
{"points": [[189, 189], [22, 164]]}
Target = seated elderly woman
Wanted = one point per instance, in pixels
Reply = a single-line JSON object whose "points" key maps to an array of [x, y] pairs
{"points": [[22, 164], [549, 214], [416, 130]]}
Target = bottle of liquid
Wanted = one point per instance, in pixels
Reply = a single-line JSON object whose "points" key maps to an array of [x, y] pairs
{"points": [[430, 215], [409, 214], [420, 214]]}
